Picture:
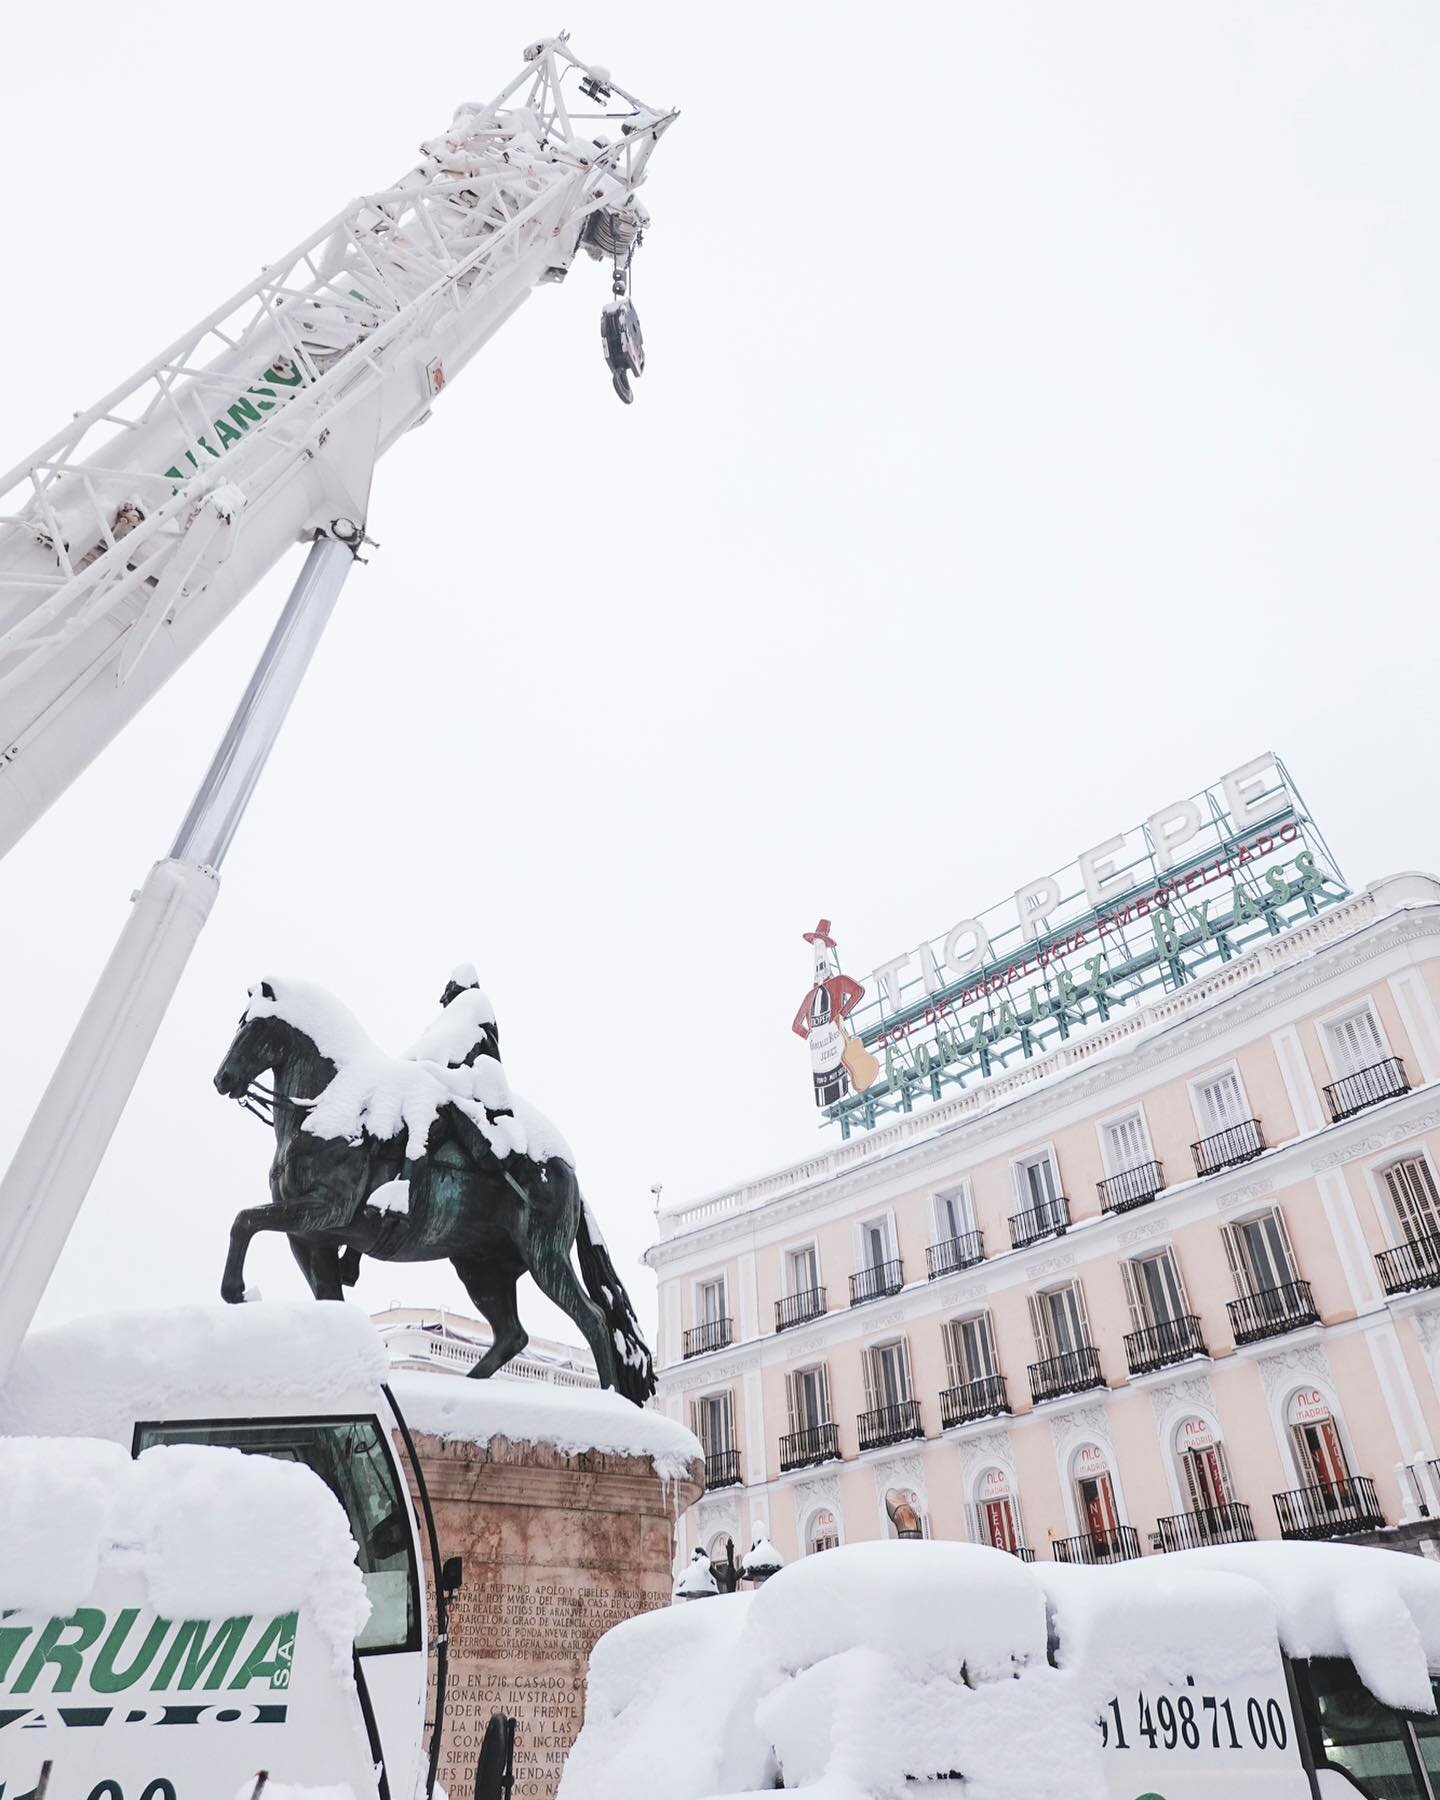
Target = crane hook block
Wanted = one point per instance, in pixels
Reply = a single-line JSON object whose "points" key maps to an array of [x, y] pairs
{"points": [[623, 345]]}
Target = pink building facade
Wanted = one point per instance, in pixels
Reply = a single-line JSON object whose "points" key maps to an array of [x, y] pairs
{"points": [[1176, 1282]]}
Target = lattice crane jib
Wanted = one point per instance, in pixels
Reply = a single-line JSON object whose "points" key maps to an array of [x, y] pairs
{"points": [[129, 534]]}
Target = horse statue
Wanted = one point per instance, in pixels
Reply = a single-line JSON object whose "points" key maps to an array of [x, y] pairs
{"points": [[414, 1158]]}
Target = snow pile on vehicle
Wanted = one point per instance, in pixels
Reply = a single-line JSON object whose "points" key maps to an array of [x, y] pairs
{"points": [[282, 1790], [1380, 1610], [863, 1673], [570, 1420], [393, 1095], [96, 1377], [210, 1532]]}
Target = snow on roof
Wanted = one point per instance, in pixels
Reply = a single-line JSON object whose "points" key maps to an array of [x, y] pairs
{"points": [[94, 1378], [873, 1664], [387, 1095], [572, 1420], [210, 1532]]}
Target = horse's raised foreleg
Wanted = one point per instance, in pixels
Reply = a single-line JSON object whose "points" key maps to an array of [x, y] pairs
{"points": [[492, 1287], [547, 1251], [295, 1218]]}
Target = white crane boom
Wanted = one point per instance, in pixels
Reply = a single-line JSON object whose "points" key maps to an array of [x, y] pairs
{"points": [[129, 535], [258, 429]]}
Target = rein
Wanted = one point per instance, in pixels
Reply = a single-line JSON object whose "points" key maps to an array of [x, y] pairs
{"points": [[262, 1101]]}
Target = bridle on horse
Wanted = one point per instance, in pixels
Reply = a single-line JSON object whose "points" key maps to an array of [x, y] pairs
{"points": [[262, 1101]]}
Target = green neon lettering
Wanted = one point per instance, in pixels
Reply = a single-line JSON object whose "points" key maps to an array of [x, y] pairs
{"points": [[1280, 884], [1162, 923], [1310, 877]]}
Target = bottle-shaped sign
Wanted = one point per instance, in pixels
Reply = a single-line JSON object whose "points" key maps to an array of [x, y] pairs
{"points": [[838, 1061]]}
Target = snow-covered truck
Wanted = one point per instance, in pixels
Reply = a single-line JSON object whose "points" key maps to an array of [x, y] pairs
{"points": [[885, 1671], [210, 1564]]}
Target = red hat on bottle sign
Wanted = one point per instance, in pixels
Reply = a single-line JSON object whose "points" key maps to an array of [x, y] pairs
{"points": [[820, 935]]}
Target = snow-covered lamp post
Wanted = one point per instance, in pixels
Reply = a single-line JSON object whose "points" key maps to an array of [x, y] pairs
{"points": [[762, 1560], [698, 1581]]}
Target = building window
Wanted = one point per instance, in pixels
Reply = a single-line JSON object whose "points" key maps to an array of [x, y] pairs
{"points": [[1154, 1290], [1204, 1469], [1220, 1103], [1355, 1042], [954, 1213], [1038, 1181], [1094, 1492], [1414, 1198], [1319, 1453], [1125, 1142], [824, 1533], [875, 1249], [970, 1350], [808, 1396], [1261, 1259], [714, 1424], [887, 1375], [995, 1517], [1059, 1322], [712, 1301], [802, 1268]]}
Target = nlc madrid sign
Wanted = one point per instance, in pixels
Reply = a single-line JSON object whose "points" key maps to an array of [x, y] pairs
{"points": [[1143, 910]]}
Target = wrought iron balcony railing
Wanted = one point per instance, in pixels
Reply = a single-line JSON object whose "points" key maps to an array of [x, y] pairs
{"points": [[1227, 1524], [1131, 1187], [722, 1468], [971, 1400], [877, 1282], [1024, 1552], [1240, 1143], [811, 1444], [1410, 1266], [961, 1252], [1120, 1544], [1157, 1346], [714, 1334], [1051, 1218], [795, 1309], [1330, 1509], [1351, 1094], [890, 1424], [1070, 1373], [1272, 1312]]}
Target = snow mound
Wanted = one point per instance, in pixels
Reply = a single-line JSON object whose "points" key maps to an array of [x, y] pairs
{"points": [[211, 1533], [570, 1420], [282, 1790], [1380, 1610], [96, 1377], [390, 1096], [866, 1673]]}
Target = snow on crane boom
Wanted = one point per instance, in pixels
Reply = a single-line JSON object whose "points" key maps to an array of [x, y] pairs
{"points": [[130, 534]]}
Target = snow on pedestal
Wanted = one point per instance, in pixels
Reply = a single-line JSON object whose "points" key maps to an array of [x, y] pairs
{"points": [[698, 1582], [562, 1504]]}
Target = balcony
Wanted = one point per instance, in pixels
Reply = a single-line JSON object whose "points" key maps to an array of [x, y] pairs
{"points": [[961, 1252], [811, 1444], [1333, 1509], [1131, 1187], [1157, 1346], [714, 1334], [1227, 1149], [722, 1469], [1118, 1545], [1024, 1552], [1070, 1373], [877, 1282], [1227, 1524], [890, 1424], [1351, 1094], [1410, 1266], [1272, 1312], [795, 1309], [1050, 1219], [972, 1400]]}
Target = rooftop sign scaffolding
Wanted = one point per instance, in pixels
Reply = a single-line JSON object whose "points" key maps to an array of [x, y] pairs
{"points": [[1153, 907]]}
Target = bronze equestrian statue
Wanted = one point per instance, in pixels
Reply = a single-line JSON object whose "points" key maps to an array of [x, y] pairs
{"points": [[420, 1157]]}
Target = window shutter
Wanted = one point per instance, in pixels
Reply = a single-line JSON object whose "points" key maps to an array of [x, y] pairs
{"points": [[1413, 1196], [1040, 1325], [903, 1358], [1133, 1297], [1357, 1042], [792, 1400], [1080, 1313], [954, 1356], [1235, 1256], [824, 1386], [1179, 1279], [1284, 1236], [867, 1364]]}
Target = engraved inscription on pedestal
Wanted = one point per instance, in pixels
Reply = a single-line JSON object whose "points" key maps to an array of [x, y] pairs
{"points": [[556, 1550]]}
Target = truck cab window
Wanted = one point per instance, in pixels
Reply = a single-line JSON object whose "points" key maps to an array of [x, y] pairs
{"points": [[351, 1457], [1372, 1746]]}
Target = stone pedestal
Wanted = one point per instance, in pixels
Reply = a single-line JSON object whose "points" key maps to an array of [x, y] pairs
{"points": [[557, 1548]]}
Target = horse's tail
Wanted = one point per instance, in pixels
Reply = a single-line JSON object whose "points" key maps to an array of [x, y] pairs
{"points": [[634, 1366]]}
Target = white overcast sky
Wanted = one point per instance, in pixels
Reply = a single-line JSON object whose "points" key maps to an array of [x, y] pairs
{"points": [[1040, 421]]}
